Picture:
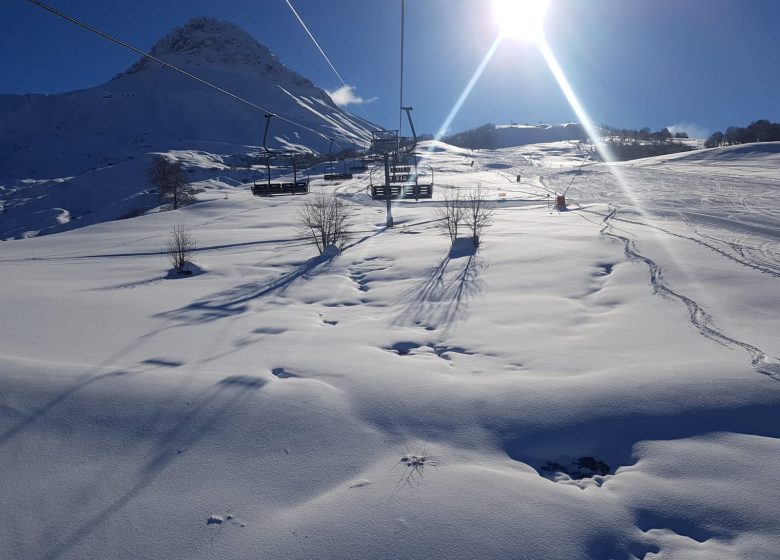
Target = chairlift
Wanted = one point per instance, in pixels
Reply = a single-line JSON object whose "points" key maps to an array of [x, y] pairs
{"points": [[359, 164], [285, 159], [402, 173], [331, 176]]}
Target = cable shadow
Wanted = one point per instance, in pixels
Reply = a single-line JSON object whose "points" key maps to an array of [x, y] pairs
{"points": [[443, 298], [20, 426], [87, 379], [190, 428], [365, 238], [235, 301]]}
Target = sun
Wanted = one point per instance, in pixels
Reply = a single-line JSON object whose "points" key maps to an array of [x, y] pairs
{"points": [[521, 19]]}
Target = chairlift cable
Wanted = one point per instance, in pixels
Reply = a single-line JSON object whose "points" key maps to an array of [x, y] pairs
{"points": [[401, 89], [322, 52], [171, 66]]}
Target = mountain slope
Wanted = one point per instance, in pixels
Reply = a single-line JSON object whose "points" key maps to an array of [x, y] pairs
{"points": [[151, 108]]}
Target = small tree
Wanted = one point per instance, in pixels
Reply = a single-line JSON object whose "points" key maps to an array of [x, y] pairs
{"points": [[327, 220], [181, 244], [478, 216], [715, 140], [469, 210], [450, 214], [171, 183]]}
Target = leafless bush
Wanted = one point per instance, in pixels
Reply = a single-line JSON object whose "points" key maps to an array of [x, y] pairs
{"points": [[478, 214], [171, 183], [450, 214], [470, 210], [327, 220], [181, 244]]}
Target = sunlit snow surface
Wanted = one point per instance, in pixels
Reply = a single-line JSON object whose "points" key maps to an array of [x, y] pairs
{"points": [[402, 400]]}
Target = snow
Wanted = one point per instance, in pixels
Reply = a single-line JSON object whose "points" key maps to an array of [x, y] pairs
{"points": [[402, 398]]}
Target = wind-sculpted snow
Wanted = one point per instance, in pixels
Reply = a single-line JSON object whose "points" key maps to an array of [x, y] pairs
{"points": [[593, 382]]}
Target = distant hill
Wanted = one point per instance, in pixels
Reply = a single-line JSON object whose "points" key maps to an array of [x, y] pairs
{"points": [[490, 136]]}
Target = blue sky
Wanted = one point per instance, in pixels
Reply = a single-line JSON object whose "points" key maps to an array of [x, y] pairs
{"points": [[632, 63]]}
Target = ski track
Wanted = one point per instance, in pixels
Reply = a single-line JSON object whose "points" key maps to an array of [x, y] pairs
{"points": [[767, 265], [766, 269], [697, 315]]}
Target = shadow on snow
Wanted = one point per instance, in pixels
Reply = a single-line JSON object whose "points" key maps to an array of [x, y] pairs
{"points": [[235, 301], [443, 297]]}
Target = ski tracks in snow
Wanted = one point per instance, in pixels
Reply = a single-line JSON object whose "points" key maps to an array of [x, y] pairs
{"points": [[700, 319]]}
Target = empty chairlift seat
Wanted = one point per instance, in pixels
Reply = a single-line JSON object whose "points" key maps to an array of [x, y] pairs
{"points": [[337, 176], [264, 188], [269, 187], [404, 182]]}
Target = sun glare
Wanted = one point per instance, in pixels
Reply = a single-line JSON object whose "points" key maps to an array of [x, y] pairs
{"points": [[521, 19]]}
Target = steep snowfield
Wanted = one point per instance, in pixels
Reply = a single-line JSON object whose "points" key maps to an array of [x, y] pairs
{"points": [[402, 399]]}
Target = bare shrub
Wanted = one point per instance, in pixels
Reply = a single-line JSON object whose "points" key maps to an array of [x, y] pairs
{"points": [[181, 244], [326, 220], [470, 210], [478, 214], [450, 214], [171, 182]]}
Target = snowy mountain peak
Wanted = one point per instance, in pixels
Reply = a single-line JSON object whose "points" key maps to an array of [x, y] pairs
{"points": [[151, 108], [207, 40]]}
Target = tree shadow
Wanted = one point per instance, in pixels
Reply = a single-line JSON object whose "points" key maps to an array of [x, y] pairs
{"points": [[235, 301], [215, 401], [132, 285], [443, 297]]}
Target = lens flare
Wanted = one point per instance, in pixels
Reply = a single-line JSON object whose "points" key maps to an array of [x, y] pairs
{"points": [[521, 19], [605, 153], [444, 128]]}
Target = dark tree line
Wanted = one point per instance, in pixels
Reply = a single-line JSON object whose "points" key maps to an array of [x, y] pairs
{"points": [[482, 137], [758, 131], [632, 143], [628, 135], [485, 136]]}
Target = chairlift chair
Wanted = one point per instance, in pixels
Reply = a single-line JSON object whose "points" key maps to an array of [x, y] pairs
{"points": [[331, 176], [359, 164], [267, 187]]}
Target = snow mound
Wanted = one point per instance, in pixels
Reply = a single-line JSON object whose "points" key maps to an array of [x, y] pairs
{"points": [[763, 153]]}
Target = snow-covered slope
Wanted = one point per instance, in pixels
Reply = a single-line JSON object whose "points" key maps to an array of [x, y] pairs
{"points": [[150, 107], [754, 160], [600, 383]]}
